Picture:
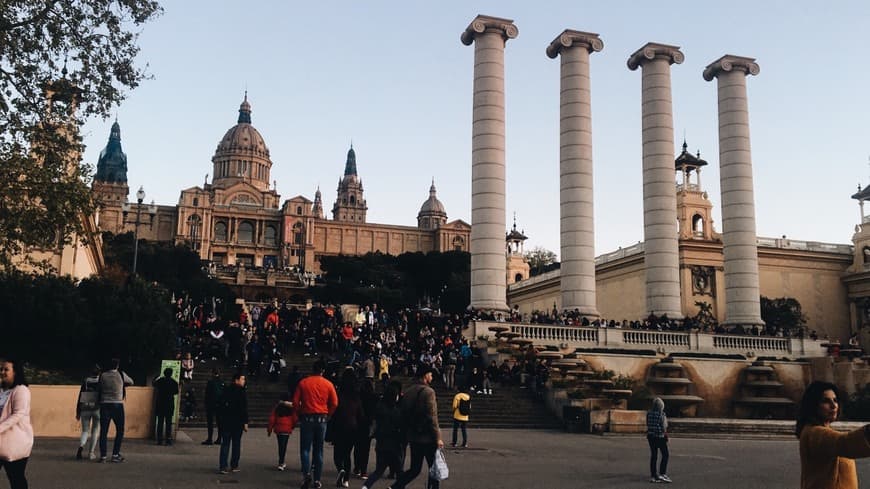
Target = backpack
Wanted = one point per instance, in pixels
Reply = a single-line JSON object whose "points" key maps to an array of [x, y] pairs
{"points": [[465, 407]]}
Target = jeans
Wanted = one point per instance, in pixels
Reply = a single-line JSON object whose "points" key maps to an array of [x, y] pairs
{"points": [[312, 430], [90, 429], [460, 424], [282, 446], [15, 473], [234, 437], [113, 412], [418, 452], [164, 425], [655, 445]]}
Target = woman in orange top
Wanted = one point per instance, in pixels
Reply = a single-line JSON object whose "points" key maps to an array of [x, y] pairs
{"points": [[827, 455]]}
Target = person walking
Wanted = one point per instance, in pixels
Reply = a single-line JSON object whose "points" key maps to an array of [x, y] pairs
{"points": [[113, 389], [461, 412], [233, 421], [420, 411], [315, 400], [165, 389], [657, 437], [282, 421], [213, 390], [827, 455], [15, 428], [388, 434], [345, 424], [88, 412]]}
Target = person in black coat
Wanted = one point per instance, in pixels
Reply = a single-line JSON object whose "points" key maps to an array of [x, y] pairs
{"points": [[233, 421], [165, 388], [213, 391], [345, 423], [388, 433]]}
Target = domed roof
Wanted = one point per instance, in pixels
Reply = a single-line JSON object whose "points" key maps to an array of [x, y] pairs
{"points": [[432, 205], [112, 165], [243, 136], [688, 159]]}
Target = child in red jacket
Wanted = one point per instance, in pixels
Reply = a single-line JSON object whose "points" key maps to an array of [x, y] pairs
{"points": [[282, 421]]}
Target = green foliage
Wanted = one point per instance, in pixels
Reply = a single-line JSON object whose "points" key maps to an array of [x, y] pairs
{"points": [[784, 313], [58, 324], [539, 259], [398, 281], [83, 52]]}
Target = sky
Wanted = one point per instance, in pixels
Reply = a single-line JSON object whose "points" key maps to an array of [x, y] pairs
{"points": [[393, 78]]}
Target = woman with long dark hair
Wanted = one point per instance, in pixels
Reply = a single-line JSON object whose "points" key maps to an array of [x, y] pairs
{"points": [[345, 424], [827, 455], [16, 433]]}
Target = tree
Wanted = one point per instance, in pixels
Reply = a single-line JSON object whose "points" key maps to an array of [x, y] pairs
{"points": [[539, 259], [784, 313], [61, 62]]}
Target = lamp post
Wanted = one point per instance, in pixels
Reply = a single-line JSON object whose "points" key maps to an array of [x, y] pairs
{"points": [[152, 211]]}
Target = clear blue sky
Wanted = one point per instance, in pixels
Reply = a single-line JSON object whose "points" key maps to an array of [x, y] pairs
{"points": [[393, 77]]}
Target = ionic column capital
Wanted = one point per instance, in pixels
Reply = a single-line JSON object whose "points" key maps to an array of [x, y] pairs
{"points": [[651, 51], [731, 63], [569, 38], [486, 24]]}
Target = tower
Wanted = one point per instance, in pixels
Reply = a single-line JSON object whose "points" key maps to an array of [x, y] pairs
{"points": [[694, 209], [110, 183], [317, 208], [432, 214], [242, 155], [350, 205], [517, 266]]}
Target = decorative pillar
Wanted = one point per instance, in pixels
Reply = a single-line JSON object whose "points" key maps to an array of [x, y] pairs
{"points": [[576, 208], [740, 249], [661, 245], [488, 285]]}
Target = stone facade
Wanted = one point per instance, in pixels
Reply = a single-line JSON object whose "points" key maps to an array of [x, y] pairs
{"points": [[238, 220]]}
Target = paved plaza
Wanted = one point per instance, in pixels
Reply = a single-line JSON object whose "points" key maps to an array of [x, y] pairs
{"points": [[503, 459]]}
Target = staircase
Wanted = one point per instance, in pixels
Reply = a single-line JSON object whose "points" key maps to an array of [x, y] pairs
{"points": [[507, 407]]}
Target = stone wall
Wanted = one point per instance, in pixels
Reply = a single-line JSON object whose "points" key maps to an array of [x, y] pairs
{"points": [[53, 411]]}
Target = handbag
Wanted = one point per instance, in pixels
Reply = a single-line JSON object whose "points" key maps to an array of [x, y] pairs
{"points": [[89, 400], [282, 363], [439, 471]]}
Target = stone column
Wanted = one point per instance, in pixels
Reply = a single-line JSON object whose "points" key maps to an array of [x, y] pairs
{"points": [[740, 249], [661, 245], [488, 262], [576, 209]]}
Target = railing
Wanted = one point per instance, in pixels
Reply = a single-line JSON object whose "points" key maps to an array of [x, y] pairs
{"points": [[662, 341]]}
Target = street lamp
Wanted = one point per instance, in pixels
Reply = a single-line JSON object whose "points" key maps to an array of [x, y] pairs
{"points": [[152, 211]]}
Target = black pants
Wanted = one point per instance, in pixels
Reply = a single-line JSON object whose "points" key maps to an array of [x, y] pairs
{"points": [[164, 425], [418, 452], [361, 448], [210, 417], [655, 445], [460, 425], [386, 459], [15, 473], [282, 446], [341, 453]]}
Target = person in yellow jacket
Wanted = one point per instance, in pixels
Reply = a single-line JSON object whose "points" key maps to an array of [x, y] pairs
{"points": [[461, 412], [827, 455]]}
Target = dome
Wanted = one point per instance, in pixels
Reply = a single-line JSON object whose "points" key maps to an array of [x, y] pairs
{"points": [[432, 205], [243, 137]]}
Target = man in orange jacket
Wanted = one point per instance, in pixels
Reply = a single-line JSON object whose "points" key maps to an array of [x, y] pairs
{"points": [[315, 400]]}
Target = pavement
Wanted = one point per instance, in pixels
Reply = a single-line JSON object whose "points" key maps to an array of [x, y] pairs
{"points": [[504, 459]]}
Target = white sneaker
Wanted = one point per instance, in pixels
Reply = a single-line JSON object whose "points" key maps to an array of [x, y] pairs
{"points": [[655, 480], [281, 467], [665, 478]]}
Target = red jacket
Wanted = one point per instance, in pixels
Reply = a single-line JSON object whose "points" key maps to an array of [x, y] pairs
{"points": [[282, 424]]}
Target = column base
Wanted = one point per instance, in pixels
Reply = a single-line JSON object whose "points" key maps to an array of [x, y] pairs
{"points": [[490, 305], [743, 321]]}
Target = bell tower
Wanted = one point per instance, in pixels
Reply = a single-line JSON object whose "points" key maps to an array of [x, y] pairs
{"points": [[350, 205], [694, 209]]}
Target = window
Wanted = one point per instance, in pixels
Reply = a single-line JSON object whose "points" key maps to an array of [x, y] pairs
{"points": [[220, 231], [518, 277], [697, 225], [196, 201], [270, 236], [352, 200], [246, 232], [458, 243], [299, 210]]}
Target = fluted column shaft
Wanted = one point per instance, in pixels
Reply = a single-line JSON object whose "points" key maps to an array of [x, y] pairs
{"points": [[576, 206], [488, 285], [661, 245], [740, 249]]}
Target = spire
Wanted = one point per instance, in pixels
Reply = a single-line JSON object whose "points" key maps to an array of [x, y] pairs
{"points": [[432, 188], [245, 111], [685, 146], [112, 163], [115, 134], [350, 165]]}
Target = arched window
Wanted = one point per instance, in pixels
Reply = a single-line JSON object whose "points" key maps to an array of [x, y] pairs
{"points": [[697, 225], [518, 277], [458, 243], [352, 200], [270, 236], [299, 210], [297, 233], [246, 232], [220, 231]]}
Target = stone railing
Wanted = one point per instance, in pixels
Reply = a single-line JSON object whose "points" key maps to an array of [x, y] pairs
{"points": [[663, 341]]}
